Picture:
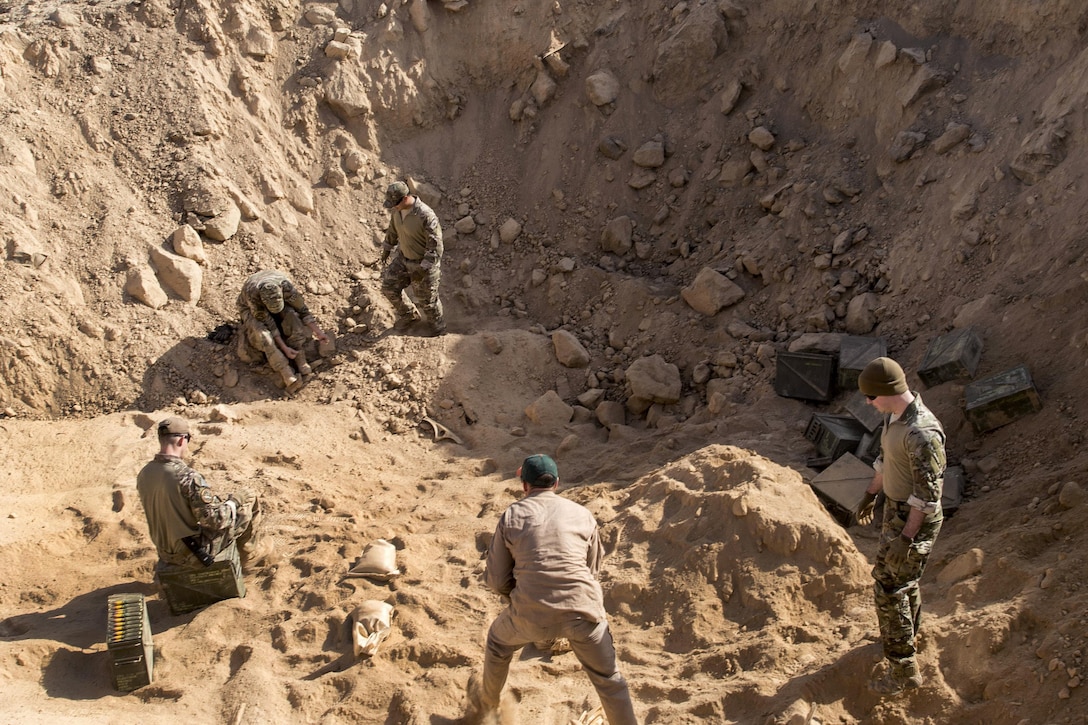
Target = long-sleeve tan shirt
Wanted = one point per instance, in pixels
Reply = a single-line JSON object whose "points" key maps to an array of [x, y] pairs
{"points": [[545, 555]]}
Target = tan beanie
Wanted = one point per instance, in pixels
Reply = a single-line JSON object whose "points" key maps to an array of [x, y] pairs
{"points": [[882, 376]]}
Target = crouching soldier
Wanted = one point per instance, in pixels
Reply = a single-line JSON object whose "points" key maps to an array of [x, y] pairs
{"points": [[276, 322]]}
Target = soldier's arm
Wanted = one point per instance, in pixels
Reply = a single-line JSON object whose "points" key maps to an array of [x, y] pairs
{"points": [[433, 231], [294, 298], [595, 552], [925, 449], [213, 513], [499, 575]]}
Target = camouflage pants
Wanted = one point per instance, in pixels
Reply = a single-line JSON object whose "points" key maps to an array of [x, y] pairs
{"points": [[402, 273], [258, 338], [898, 597]]}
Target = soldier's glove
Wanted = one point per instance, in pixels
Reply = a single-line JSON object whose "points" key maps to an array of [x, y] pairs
{"points": [[863, 514], [386, 251], [896, 556]]}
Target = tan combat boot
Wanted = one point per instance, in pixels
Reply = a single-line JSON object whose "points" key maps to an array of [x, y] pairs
{"points": [[898, 676]]}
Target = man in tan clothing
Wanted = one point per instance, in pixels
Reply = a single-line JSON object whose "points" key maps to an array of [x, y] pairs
{"points": [[545, 556]]}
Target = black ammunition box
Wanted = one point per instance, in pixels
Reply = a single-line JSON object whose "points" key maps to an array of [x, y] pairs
{"points": [[189, 589], [953, 356], [952, 490], [866, 414], [834, 435], [869, 447], [854, 354], [1000, 399], [805, 375], [128, 639], [841, 485]]}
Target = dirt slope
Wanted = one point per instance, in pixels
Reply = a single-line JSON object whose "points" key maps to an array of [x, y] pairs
{"points": [[890, 169]]}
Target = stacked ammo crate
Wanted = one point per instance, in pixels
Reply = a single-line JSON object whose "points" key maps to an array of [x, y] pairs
{"points": [[128, 639]]}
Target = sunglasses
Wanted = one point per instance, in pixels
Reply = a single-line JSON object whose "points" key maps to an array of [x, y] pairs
{"points": [[871, 398]]}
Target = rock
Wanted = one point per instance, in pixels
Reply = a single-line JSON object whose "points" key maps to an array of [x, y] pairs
{"points": [[224, 225], [1040, 151], [925, 79], [684, 60], [611, 147], [904, 144], [653, 379], [186, 243], [465, 225], [853, 57], [180, 275], [319, 14], [64, 18], [886, 53], [549, 411], [734, 171], [340, 50], [842, 242], [730, 96], [591, 398], [420, 15], [761, 138], [954, 133], [335, 177], [509, 231], [543, 88], [1071, 495], [224, 414], [143, 285], [602, 88], [617, 234], [347, 95], [650, 155], [568, 350], [710, 292], [861, 313], [611, 413], [641, 179], [829, 342], [568, 444], [964, 566], [966, 206], [354, 161]]}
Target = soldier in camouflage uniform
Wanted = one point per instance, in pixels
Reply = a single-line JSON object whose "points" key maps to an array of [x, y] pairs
{"points": [[413, 250], [910, 471], [276, 321], [192, 525]]}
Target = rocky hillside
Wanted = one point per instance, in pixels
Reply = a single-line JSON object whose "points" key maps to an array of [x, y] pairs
{"points": [[682, 190]]}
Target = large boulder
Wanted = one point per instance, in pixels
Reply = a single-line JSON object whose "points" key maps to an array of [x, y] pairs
{"points": [[653, 379], [710, 292], [180, 275], [568, 350]]}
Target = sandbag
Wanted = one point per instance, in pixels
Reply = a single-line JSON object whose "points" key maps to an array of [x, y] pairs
{"points": [[370, 624], [378, 561]]}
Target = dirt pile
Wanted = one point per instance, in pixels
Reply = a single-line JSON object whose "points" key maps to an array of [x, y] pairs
{"points": [[631, 192]]}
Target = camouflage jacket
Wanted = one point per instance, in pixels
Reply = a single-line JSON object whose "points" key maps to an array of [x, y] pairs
{"points": [[250, 299], [913, 456], [179, 503], [417, 233]]}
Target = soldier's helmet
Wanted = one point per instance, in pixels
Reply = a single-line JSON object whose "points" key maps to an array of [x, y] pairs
{"points": [[272, 297]]}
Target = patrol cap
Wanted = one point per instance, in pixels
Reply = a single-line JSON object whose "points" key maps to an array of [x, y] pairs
{"points": [[539, 471], [395, 194], [882, 376], [272, 297], [173, 426]]}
